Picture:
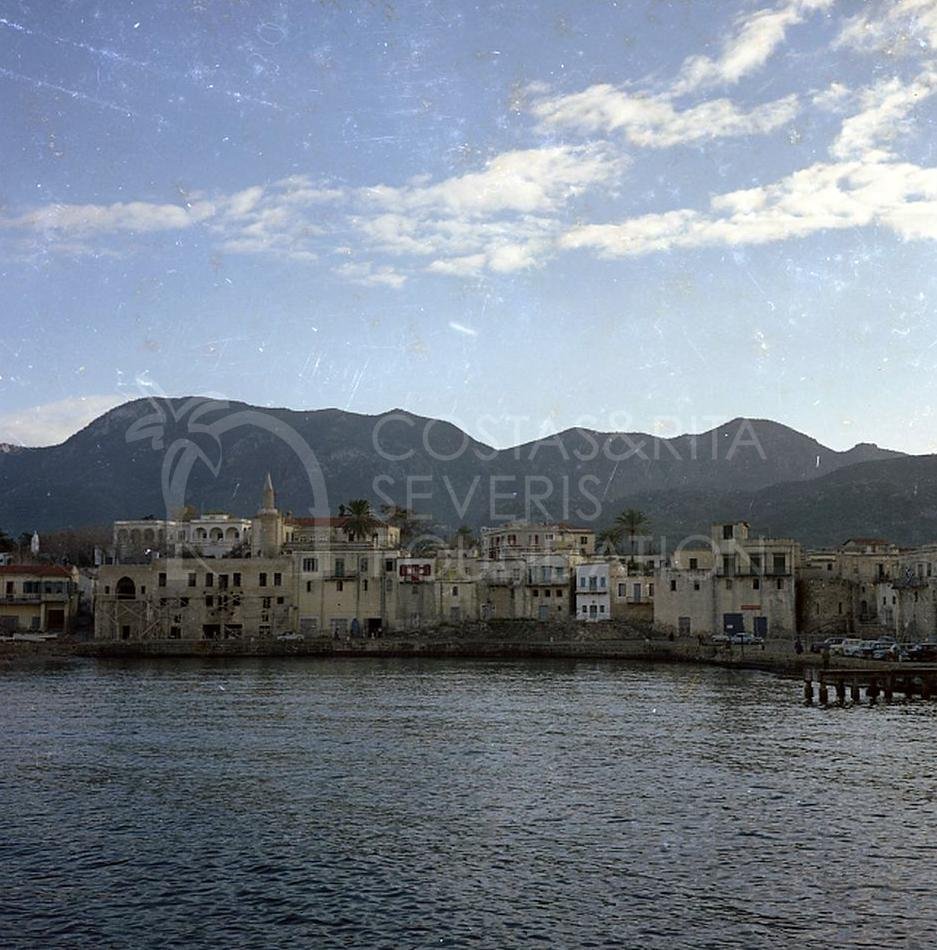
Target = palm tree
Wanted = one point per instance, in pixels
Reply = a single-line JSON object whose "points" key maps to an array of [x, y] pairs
{"points": [[631, 521], [610, 538], [361, 521], [400, 518]]}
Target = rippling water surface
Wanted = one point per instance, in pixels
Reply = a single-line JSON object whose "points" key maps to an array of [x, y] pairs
{"points": [[457, 803]]}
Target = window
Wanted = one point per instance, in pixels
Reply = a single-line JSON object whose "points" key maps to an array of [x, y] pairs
{"points": [[650, 590], [209, 580], [310, 565], [388, 565], [278, 579], [236, 579], [728, 564], [535, 593], [222, 582], [780, 564], [694, 563], [621, 590], [727, 532], [829, 567], [209, 600], [455, 591], [339, 586], [279, 600], [695, 585], [756, 583], [339, 567], [673, 585], [755, 562], [161, 582], [363, 565], [364, 584], [265, 603], [728, 584], [779, 583], [308, 587], [192, 579], [262, 579]]}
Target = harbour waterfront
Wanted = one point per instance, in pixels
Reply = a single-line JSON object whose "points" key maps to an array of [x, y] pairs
{"points": [[453, 802]]}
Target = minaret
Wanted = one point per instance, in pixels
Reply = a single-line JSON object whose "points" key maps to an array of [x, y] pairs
{"points": [[269, 499], [267, 528]]}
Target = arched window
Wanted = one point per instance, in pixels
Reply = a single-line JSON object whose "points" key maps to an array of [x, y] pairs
{"points": [[126, 589]]}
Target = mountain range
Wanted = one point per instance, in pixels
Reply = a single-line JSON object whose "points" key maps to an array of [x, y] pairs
{"points": [[215, 455]]}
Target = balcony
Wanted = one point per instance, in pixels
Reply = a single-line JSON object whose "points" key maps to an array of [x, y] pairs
{"points": [[45, 597]]}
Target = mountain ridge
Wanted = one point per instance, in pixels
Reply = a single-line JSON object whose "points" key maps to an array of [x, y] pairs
{"points": [[114, 467]]}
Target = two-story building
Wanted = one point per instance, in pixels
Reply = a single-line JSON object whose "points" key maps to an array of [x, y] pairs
{"points": [[37, 598]]}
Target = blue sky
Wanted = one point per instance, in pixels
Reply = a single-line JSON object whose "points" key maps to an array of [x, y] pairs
{"points": [[637, 215]]}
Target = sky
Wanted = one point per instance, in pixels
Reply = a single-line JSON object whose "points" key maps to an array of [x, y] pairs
{"points": [[650, 216]]}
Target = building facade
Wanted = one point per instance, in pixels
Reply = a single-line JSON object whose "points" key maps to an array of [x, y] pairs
{"points": [[38, 598]]}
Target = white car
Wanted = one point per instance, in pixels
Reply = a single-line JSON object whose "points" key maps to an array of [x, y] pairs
{"points": [[852, 646]]}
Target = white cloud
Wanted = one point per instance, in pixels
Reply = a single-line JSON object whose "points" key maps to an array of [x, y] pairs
{"points": [[832, 98], [892, 28], [53, 422], [755, 39], [885, 108], [521, 181], [366, 274], [825, 196], [140, 216], [653, 122]]}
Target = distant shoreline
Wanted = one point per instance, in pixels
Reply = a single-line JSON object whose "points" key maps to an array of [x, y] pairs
{"points": [[777, 657]]}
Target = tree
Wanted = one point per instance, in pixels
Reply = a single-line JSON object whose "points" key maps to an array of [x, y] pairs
{"points": [[631, 522], [401, 518], [610, 538], [464, 538], [361, 521], [6, 542]]}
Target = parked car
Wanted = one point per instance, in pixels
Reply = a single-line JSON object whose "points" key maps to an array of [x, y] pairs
{"points": [[892, 651], [746, 639], [882, 645], [851, 646], [818, 646], [922, 652]]}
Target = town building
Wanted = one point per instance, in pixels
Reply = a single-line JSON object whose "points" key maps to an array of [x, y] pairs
{"points": [[749, 587], [522, 537], [212, 535], [38, 598]]}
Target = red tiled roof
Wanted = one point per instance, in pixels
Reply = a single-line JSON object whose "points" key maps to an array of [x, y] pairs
{"points": [[43, 570], [865, 541]]}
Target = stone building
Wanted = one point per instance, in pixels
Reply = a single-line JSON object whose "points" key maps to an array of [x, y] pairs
{"points": [[523, 537], [212, 535], [748, 589], [37, 598]]}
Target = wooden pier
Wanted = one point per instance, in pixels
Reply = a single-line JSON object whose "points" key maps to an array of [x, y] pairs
{"points": [[882, 683]]}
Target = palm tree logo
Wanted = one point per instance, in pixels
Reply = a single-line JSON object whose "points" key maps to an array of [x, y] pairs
{"points": [[191, 433]]}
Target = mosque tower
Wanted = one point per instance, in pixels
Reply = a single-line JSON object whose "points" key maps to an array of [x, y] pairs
{"points": [[267, 529]]}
